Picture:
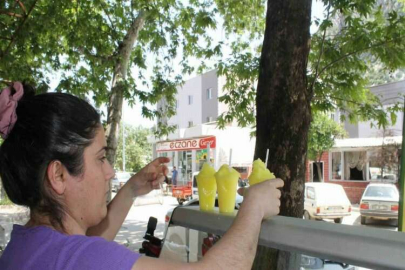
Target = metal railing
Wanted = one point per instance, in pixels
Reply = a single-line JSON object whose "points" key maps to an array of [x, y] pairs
{"points": [[357, 245]]}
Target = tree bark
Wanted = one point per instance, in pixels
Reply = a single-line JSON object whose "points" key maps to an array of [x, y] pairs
{"points": [[318, 168], [283, 110], [118, 87]]}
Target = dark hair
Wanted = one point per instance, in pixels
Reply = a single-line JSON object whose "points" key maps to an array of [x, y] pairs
{"points": [[50, 126]]}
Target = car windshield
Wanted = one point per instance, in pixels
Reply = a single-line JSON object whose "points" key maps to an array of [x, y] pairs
{"points": [[382, 192]]}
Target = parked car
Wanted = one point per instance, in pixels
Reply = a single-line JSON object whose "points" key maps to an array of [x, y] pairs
{"points": [[379, 201], [115, 184], [308, 262], [326, 201], [120, 179]]}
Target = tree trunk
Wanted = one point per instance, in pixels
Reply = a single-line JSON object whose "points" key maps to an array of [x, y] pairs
{"points": [[318, 168], [283, 110], [118, 87]]}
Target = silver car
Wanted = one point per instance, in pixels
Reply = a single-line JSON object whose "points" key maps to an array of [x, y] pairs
{"points": [[379, 201], [119, 180]]}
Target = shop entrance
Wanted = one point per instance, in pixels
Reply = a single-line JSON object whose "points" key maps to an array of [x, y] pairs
{"points": [[185, 167], [316, 172]]}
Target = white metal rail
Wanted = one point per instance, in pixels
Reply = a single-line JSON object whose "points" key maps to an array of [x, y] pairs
{"points": [[357, 245]]}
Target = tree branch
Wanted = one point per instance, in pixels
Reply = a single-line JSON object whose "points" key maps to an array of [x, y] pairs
{"points": [[346, 100], [2, 54], [354, 52], [114, 30], [125, 49], [320, 53], [8, 83], [102, 58], [6, 38], [12, 14], [22, 7]]}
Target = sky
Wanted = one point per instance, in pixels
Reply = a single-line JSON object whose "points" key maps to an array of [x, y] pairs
{"points": [[132, 116]]}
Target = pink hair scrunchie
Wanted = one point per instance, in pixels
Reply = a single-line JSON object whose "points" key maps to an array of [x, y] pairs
{"points": [[8, 106]]}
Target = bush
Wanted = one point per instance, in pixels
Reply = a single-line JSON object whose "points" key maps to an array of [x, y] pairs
{"points": [[6, 201]]}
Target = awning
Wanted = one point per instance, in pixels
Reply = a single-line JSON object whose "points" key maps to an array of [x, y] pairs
{"points": [[366, 142]]}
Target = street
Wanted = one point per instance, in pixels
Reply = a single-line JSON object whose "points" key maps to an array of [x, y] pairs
{"points": [[134, 227]]}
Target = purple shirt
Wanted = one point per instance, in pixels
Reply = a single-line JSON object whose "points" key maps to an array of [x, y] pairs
{"points": [[43, 248]]}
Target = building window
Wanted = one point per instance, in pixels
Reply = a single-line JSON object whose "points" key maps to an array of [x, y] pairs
{"points": [[209, 93], [384, 164], [210, 119], [371, 165], [336, 166], [190, 123], [316, 172], [355, 165], [190, 100]]}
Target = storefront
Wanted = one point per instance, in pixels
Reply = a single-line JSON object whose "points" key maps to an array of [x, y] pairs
{"points": [[354, 163], [188, 149], [188, 155]]}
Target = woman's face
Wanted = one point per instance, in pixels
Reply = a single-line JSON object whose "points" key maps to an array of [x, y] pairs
{"points": [[88, 192]]}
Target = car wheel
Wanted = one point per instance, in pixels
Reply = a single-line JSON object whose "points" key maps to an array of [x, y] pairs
{"points": [[338, 220], [363, 220], [307, 216]]}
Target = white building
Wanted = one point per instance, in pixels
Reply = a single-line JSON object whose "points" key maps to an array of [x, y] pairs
{"points": [[389, 94], [197, 101], [197, 110]]}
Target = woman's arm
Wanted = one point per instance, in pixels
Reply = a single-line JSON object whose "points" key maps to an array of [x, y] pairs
{"points": [[237, 249], [147, 179]]}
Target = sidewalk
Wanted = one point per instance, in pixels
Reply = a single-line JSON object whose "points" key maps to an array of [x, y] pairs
{"points": [[9, 215], [134, 227]]}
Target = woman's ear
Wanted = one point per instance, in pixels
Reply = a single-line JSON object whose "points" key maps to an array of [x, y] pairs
{"points": [[55, 177]]}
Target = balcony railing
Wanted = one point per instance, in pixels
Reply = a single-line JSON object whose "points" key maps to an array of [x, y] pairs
{"points": [[358, 245]]}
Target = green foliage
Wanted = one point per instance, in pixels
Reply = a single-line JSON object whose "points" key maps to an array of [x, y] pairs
{"points": [[241, 73], [79, 43], [379, 75], [243, 16], [138, 152], [322, 134], [387, 156], [353, 38], [6, 201], [361, 35]]}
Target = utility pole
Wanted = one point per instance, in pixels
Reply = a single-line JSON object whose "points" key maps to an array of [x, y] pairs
{"points": [[401, 216], [123, 146]]}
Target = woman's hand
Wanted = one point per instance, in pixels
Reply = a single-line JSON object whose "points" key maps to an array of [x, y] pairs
{"points": [[149, 177]]}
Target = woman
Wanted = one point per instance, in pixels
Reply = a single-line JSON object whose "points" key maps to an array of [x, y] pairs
{"points": [[53, 161]]}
